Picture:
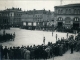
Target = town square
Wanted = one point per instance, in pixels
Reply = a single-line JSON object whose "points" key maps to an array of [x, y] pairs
{"points": [[40, 30]]}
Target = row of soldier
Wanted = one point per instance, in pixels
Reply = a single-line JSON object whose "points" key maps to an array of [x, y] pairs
{"points": [[6, 37]]}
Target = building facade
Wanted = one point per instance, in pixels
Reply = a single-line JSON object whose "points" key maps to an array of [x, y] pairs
{"points": [[37, 19], [68, 16], [15, 16], [4, 19], [11, 17]]}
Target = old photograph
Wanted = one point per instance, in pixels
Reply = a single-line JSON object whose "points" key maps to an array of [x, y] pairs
{"points": [[39, 29]]}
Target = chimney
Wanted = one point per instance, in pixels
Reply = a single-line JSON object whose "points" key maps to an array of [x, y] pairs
{"points": [[20, 9]]}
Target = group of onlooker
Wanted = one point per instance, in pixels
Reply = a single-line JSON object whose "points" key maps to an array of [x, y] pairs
{"points": [[40, 51]]}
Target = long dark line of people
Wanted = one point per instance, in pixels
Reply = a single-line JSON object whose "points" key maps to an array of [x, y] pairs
{"points": [[7, 37], [41, 51]]}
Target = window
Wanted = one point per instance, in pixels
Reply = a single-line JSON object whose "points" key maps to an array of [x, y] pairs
{"points": [[78, 11], [76, 19], [75, 11], [66, 11], [69, 11], [61, 11], [58, 11], [60, 18]]}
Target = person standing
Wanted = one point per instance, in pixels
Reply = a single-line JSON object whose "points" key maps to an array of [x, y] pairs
{"points": [[56, 37], [44, 40], [52, 33], [72, 48]]}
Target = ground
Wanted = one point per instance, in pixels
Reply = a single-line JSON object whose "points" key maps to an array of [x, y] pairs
{"points": [[67, 56], [30, 37]]}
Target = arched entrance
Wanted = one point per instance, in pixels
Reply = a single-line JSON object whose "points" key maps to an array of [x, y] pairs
{"points": [[67, 23]]}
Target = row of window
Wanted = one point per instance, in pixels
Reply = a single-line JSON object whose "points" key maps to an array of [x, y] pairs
{"points": [[75, 19], [10, 15], [37, 15], [68, 11], [18, 14], [4, 14], [4, 21]]}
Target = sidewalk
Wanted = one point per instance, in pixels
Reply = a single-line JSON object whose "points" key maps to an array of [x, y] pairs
{"points": [[68, 56]]}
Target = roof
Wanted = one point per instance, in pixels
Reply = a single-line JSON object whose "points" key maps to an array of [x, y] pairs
{"points": [[38, 12], [70, 5]]}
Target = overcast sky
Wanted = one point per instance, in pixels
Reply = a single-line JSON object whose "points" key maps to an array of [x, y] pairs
{"points": [[34, 4]]}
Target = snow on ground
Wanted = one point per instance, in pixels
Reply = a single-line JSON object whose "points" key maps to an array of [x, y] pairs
{"points": [[31, 37]]}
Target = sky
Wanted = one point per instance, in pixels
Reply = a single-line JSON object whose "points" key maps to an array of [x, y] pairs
{"points": [[34, 4]]}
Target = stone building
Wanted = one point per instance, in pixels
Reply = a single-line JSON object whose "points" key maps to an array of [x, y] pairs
{"points": [[68, 16], [11, 17], [36, 19], [15, 16], [4, 19]]}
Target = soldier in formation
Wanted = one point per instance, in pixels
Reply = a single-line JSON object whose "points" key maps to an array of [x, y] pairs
{"points": [[7, 37]]}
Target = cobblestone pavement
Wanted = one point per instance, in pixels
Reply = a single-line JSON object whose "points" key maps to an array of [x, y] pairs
{"points": [[68, 56]]}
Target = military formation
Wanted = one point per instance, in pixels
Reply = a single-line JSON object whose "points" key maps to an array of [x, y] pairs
{"points": [[7, 37], [42, 51]]}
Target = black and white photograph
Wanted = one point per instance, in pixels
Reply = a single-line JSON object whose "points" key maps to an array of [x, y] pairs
{"points": [[39, 29]]}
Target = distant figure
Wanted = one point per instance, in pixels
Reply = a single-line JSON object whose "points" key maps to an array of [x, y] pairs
{"points": [[52, 33], [44, 40], [67, 35], [14, 34], [56, 37]]}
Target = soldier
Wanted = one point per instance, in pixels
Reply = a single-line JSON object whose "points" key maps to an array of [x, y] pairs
{"points": [[44, 40]]}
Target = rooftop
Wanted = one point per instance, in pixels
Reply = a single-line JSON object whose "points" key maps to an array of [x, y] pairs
{"points": [[70, 5], [38, 11]]}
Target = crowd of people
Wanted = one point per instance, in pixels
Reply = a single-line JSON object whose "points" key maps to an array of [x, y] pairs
{"points": [[6, 37], [41, 51]]}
